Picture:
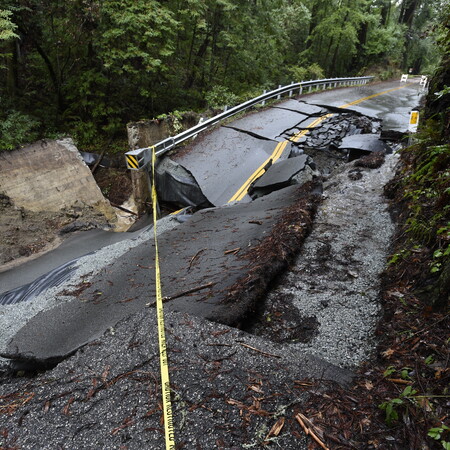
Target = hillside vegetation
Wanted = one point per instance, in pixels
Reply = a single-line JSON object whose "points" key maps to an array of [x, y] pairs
{"points": [[86, 67]]}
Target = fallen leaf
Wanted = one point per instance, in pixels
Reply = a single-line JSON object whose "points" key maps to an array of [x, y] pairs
{"points": [[388, 352], [276, 429], [256, 389], [369, 385]]}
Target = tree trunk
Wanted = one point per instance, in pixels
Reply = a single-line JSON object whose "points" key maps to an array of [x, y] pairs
{"points": [[12, 70], [336, 50]]}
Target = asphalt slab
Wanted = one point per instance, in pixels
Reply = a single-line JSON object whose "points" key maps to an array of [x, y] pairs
{"points": [[217, 247]]}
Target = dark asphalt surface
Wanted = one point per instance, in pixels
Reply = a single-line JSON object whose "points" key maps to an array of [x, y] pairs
{"points": [[79, 244], [107, 396], [393, 107], [223, 160], [205, 249], [229, 387]]}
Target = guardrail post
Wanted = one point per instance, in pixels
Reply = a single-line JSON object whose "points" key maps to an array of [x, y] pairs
{"points": [[140, 179], [291, 92], [264, 102], [279, 95]]}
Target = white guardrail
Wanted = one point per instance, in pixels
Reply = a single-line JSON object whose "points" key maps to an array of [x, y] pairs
{"points": [[139, 158]]}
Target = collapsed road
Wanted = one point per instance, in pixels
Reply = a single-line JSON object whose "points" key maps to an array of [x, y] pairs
{"points": [[234, 251]]}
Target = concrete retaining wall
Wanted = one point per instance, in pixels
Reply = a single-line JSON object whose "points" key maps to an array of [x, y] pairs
{"points": [[49, 176]]}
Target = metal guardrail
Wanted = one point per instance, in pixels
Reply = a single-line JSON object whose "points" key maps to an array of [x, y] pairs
{"points": [[139, 158]]}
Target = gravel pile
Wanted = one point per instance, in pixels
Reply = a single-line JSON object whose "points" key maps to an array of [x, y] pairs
{"points": [[334, 284]]}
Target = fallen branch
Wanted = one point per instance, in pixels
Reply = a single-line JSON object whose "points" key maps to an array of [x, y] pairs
{"points": [[256, 350], [233, 250], [123, 209], [183, 293], [301, 419], [399, 381], [99, 160], [194, 258]]}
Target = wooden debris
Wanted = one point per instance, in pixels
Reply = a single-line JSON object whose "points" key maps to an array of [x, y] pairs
{"points": [[66, 410], [399, 381], [195, 257], [257, 350], [123, 209], [189, 291], [309, 428], [235, 251], [276, 429], [11, 402]]}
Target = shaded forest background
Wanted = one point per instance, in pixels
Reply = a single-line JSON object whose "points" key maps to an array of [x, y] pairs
{"points": [[86, 67]]}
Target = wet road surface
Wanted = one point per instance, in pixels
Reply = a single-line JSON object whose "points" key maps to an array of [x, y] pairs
{"points": [[60, 330]]}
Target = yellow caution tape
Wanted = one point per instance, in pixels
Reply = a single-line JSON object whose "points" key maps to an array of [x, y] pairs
{"points": [[164, 364]]}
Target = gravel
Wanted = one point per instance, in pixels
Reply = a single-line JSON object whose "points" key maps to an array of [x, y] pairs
{"points": [[14, 317], [229, 389], [336, 277]]}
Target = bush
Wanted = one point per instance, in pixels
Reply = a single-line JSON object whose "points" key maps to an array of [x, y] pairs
{"points": [[17, 129], [312, 72], [220, 96]]}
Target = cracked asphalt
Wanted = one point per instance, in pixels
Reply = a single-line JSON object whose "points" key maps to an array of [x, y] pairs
{"points": [[229, 386]]}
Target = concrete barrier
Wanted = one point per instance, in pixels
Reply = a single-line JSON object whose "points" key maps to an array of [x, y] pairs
{"points": [[50, 175]]}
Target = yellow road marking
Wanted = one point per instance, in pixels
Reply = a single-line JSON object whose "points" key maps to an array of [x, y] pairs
{"points": [[373, 96], [240, 194], [163, 361]]}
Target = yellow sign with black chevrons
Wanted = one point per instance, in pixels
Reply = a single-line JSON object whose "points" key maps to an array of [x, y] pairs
{"points": [[132, 162]]}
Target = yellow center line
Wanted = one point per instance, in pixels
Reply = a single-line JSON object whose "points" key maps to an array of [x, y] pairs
{"points": [[278, 151], [373, 96], [241, 193]]}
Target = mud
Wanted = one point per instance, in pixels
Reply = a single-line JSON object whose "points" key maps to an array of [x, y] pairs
{"points": [[28, 234]]}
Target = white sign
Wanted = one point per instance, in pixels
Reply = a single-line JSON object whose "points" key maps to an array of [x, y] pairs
{"points": [[404, 78]]}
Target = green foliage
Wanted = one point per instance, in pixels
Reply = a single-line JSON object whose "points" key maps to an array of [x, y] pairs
{"points": [[396, 257], [312, 72], [393, 406], [426, 186], [17, 129], [439, 433], [219, 97], [443, 92], [7, 27], [86, 68]]}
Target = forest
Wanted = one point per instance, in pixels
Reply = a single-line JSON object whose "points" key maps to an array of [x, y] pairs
{"points": [[87, 67]]}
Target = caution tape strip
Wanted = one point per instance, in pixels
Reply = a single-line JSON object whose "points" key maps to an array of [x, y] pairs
{"points": [[164, 363]]}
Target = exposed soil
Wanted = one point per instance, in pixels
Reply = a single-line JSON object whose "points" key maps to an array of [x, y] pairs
{"points": [[283, 323], [27, 234], [115, 184]]}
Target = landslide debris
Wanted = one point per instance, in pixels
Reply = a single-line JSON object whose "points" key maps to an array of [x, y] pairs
{"points": [[27, 233]]}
